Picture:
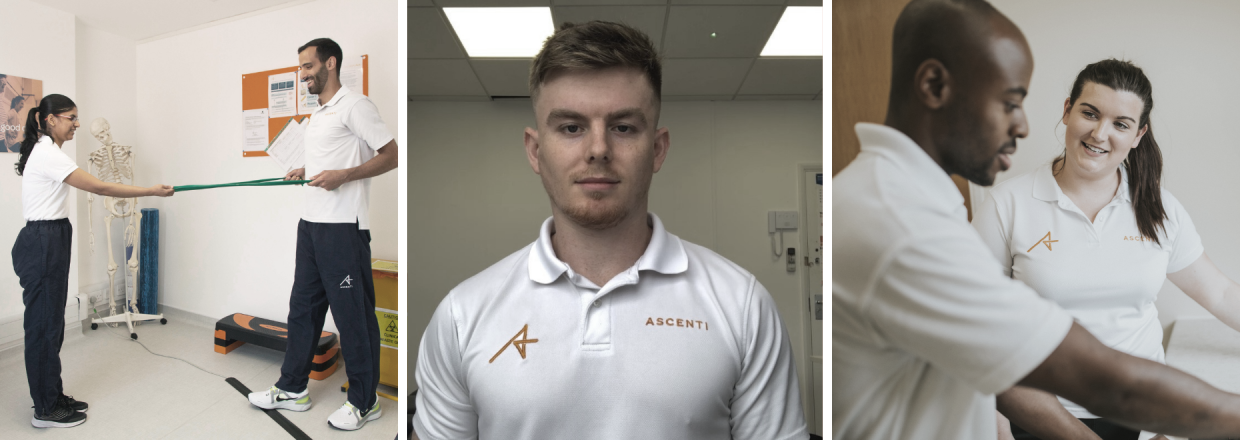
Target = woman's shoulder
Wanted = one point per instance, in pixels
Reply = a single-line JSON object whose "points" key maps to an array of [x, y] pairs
{"points": [[45, 150]]}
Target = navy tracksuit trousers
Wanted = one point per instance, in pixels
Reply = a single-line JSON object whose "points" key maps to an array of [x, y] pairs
{"points": [[41, 260], [333, 271]]}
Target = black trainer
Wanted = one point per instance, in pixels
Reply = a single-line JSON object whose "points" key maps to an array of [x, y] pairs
{"points": [[60, 416], [76, 405]]}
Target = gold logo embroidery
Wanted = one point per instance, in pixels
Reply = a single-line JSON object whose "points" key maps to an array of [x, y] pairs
{"points": [[519, 343], [678, 322], [1046, 240], [1136, 238]]}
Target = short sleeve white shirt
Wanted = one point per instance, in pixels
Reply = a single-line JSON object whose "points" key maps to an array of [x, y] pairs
{"points": [[45, 195], [344, 133], [682, 345], [925, 328], [1104, 273]]}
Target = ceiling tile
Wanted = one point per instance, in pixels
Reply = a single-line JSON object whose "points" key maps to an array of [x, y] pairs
{"points": [[740, 31], [491, 3], [784, 76], [430, 36], [648, 19], [504, 77], [443, 78], [609, 2], [704, 76], [775, 97], [728, 2]]}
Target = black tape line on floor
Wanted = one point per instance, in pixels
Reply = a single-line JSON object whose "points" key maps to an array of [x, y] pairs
{"points": [[288, 426]]}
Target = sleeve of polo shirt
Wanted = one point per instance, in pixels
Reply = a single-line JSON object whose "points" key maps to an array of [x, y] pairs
{"points": [[1186, 245], [943, 298], [55, 165], [444, 410], [990, 224], [364, 121], [766, 403]]}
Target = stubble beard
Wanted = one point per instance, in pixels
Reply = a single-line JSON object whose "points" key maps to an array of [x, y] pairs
{"points": [[319, 82], [960, 141], [595, 212]]}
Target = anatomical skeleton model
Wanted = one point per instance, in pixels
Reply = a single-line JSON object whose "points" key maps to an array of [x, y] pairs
{"points": [[114, 163]]}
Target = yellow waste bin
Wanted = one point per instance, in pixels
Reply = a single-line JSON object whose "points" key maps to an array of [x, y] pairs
{"points": [[386, 305]]}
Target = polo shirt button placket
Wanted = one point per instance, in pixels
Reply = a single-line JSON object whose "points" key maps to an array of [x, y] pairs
{"points": [[597, 327]]}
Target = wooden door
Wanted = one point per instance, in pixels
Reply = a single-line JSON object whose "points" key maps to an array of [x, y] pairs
{"points": [[861, 74]]}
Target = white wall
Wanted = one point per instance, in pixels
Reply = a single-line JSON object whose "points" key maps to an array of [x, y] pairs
{"points": [[39, 44], [107, 88], [474, 199], [1185, 49], [232, 250]]}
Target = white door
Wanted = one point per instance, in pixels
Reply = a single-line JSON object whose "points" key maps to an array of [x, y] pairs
{"points": [[811, 212]]}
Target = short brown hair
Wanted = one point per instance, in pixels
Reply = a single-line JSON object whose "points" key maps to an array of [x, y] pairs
{"points": [[597, 45]]}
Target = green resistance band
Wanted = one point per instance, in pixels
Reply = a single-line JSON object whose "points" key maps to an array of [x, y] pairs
{"points": [[260, 182]]}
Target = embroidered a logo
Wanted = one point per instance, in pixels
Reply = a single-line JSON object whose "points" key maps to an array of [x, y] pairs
{"points": [[347, 283], [519, 343], [1046, 240]]}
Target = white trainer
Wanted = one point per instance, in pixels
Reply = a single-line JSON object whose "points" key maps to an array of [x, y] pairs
{"points": [[275, 398], [349, 418]]}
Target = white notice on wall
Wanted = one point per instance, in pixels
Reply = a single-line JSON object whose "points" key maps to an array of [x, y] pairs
{"points": [[282, 94], [351, 74], [306, 101], [254, 129], [287, 149]]}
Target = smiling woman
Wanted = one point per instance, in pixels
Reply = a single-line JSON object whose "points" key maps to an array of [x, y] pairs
{"points": [[41, 255], [1117, 234]]}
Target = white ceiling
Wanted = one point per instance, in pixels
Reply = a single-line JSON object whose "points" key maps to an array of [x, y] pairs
{"points": [[695, 66], [143, 19]]}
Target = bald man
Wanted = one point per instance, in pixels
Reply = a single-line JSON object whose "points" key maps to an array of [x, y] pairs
{"points": [[925, 327]]}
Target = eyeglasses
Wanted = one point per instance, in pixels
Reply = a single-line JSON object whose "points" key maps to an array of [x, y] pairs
{"points": [[73, 118]]}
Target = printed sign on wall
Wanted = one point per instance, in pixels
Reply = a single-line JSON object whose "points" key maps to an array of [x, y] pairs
{"points": [[17, 96]]}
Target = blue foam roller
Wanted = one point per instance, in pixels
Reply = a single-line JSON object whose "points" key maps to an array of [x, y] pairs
{"points": [[148, 275]]}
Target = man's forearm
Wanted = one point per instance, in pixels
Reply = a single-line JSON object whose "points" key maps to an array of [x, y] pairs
{"points": [[1041, 414], [1162, 399], [385, 161], [1135, 392]]}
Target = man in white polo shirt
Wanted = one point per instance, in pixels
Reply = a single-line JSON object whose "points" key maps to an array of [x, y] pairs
{"points": [[925, 326], [608, 326], [346, 143]]}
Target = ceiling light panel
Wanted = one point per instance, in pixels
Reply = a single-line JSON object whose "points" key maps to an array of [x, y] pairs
{"points": [[799, 33], [501, 32]]}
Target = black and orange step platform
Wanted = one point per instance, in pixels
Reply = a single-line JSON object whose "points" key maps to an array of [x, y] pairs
{"points": [[238, 328]]}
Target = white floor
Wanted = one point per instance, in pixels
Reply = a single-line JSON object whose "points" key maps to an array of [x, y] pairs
{"points": [[136, 395]]}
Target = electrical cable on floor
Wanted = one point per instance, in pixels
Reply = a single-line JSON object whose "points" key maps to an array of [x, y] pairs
{"points": [[148, 350], [275, 415]]}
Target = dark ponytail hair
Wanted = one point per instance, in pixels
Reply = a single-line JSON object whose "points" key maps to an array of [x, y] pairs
{"points": [[49, 105], [1144, 163]]}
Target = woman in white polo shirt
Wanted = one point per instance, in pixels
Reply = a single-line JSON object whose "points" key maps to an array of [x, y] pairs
{"points": [[41, 253], [1095, 232]]}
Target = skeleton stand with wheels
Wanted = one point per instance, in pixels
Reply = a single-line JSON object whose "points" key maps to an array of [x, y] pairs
{"points": [[112, 163]]}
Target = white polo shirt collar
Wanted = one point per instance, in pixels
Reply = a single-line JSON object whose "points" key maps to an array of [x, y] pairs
{"points": [[1046, 189], [665, 254], [915, 165], [335, 99]]}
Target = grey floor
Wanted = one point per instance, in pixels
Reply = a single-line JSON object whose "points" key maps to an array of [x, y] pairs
{"points": [[136, 395]]}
